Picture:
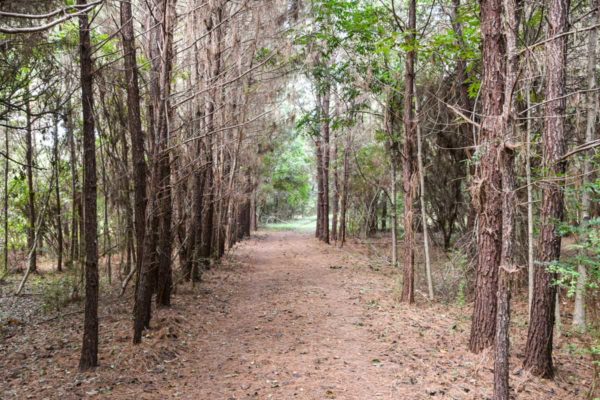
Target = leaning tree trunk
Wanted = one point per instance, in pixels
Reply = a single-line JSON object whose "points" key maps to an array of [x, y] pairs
{"points": [[486, 196], [538, 350], [408, 159], [89, 349]]}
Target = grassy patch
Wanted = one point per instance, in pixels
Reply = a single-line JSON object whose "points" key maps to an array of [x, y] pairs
{"points": [[304, 224]]}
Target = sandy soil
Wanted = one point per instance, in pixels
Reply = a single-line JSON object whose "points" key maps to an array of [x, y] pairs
{"points": [[284, 317]]}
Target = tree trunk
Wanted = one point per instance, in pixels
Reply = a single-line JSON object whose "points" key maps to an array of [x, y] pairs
{"points": [[89, 349], [336, 192], [325, 170], [345, 181], [5, 205], [530, 264], [320, 188], [59, 227], [408, 159], [590, 133], [135, 129], [422, 201], [507, 159], [74, 242], [31, 242], [486, 197], [538, 351], [163, 58]]}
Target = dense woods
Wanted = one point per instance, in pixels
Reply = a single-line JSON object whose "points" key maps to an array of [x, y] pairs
{"points": [[457, 139]]}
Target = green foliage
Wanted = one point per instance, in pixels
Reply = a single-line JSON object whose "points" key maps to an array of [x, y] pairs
{"points": [[57, 290], [286, 191], [587, 253]]}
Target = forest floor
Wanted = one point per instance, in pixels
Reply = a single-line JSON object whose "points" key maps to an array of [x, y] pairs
{"points": [[283, 317]]}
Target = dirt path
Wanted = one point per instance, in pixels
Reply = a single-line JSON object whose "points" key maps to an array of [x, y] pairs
{"points": [[284, 317], [295, 328]]}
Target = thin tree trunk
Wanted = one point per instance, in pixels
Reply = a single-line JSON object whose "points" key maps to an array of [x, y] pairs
{"points": [[422, 200], [320, 188], [507, 160], [74, 242], [5, 205], [530, 265], [31, 242], [89, 349], [408, 159], [336, 192], [538, 351], [59, 226], [592, 112], [325, 154], [135, 130], [344, 199]]}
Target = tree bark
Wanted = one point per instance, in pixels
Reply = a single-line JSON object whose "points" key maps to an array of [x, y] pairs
{"points": [[590, 133], [135, 129], [507, 159], [336, 192], [89, 349], [538, 351], [486, 195], [325, 154], [422, 201], [31, 242], [5, 205], [408, 159], [59, 227]]}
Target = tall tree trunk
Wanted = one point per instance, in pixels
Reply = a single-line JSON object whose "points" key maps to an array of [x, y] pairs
{"points": [[75, 197], [336, 192], [320, 187], [163, 66], [31, 242], [507, 159], [325, 125], [345, 183], [89, 349], [408, 159], [135, 129], [538, 351], [59, 227], [590, 133], [422, 200], [486, 197], [5, 205], [530, 246]]}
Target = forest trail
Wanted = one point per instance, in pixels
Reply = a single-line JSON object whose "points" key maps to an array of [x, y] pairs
{"points": [[296, 327], [283, 317]]}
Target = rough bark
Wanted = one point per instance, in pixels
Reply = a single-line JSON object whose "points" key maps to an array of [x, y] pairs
{"points": [[325, 153], [89, 348], [485, 190], [408, 160], [538, 351], [579, 317], [135, 129]]}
